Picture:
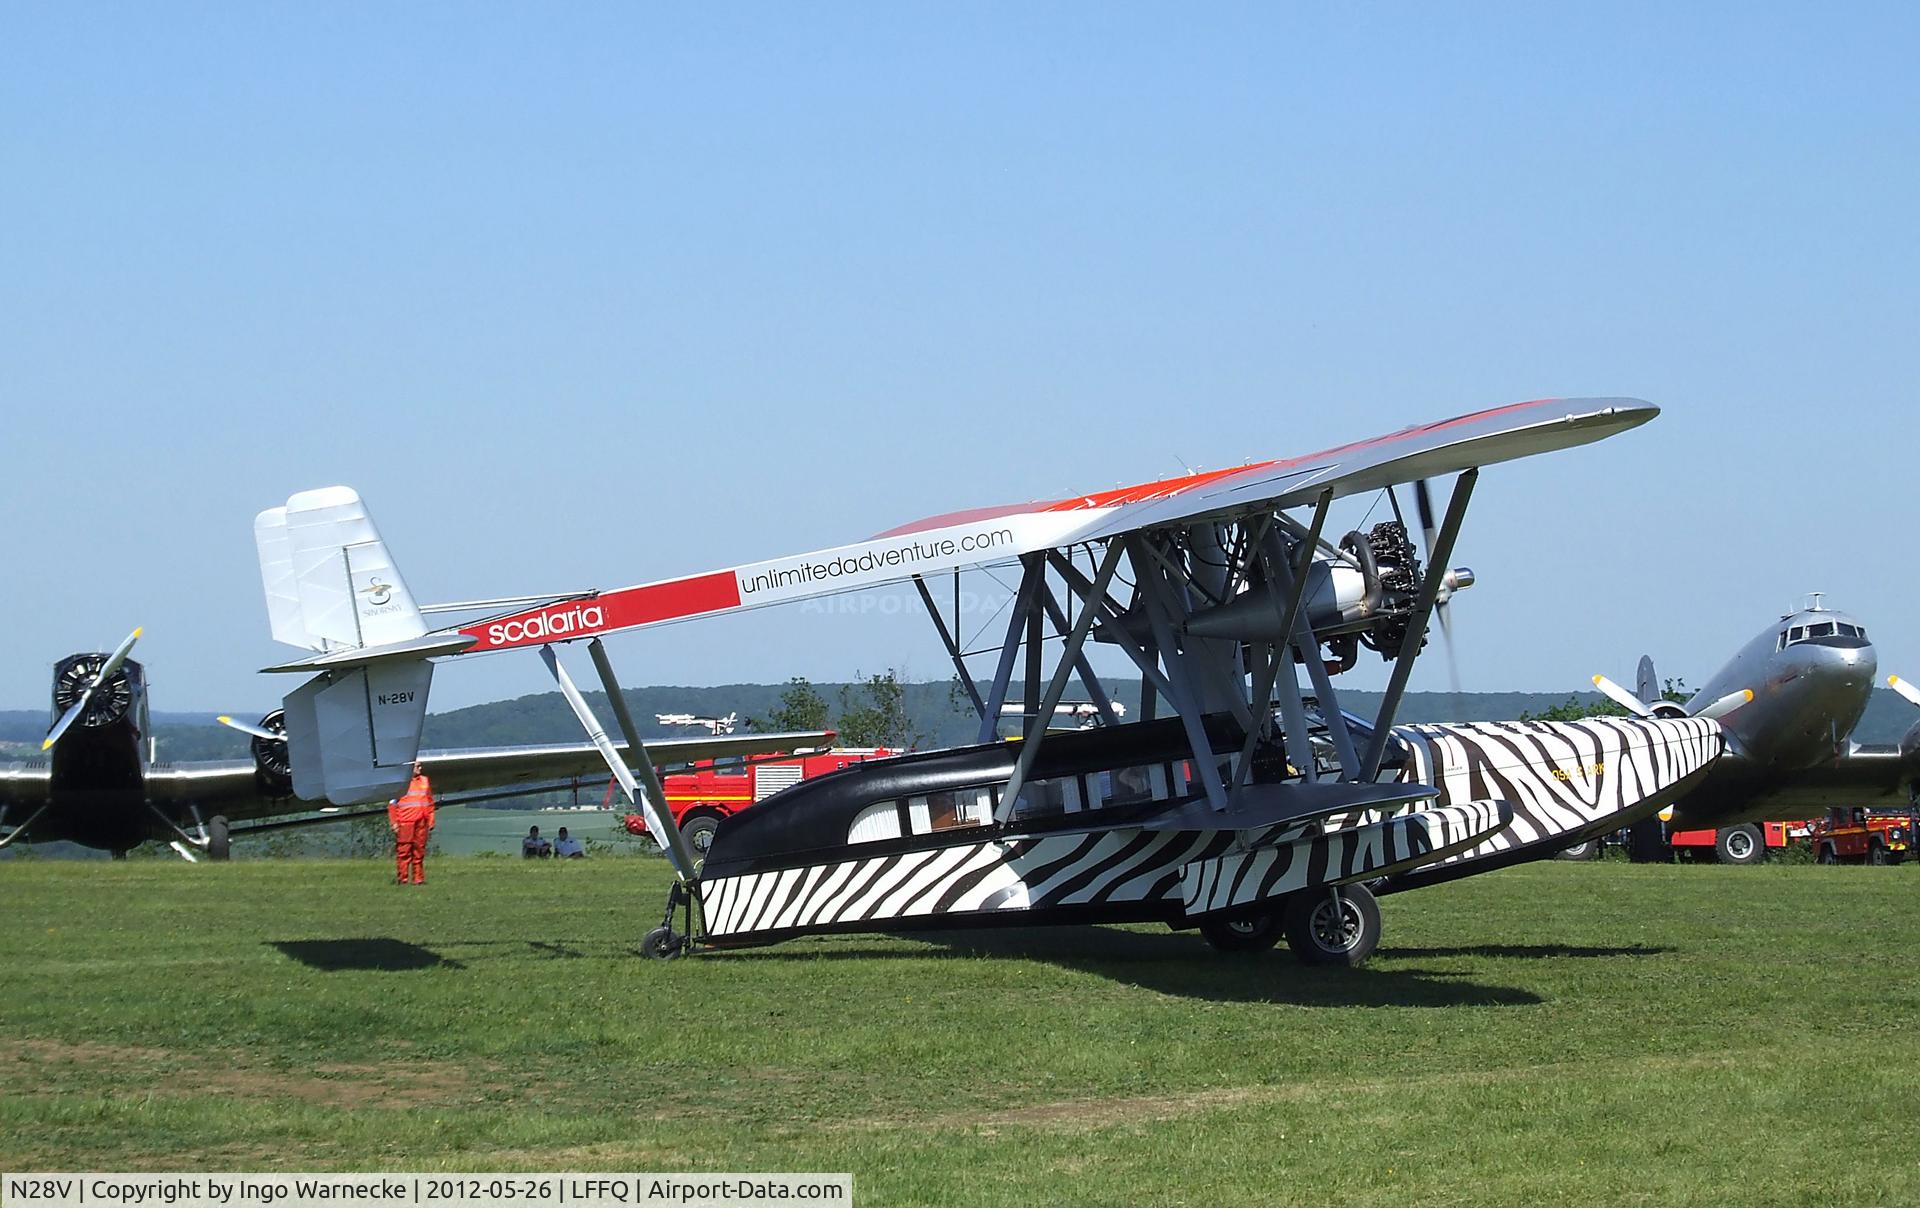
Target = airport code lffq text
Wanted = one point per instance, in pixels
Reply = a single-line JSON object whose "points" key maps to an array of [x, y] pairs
{"points": [[302, 1190]]}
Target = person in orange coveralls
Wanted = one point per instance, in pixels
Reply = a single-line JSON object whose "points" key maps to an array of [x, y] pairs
{"points": [[412, 819]]}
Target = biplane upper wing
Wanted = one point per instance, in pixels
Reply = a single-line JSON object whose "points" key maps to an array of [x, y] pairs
{"points": [[980, 536]]}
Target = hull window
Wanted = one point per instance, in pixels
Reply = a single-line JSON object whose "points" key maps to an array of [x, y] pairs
{"points": [[950, 811], [876, 822]]}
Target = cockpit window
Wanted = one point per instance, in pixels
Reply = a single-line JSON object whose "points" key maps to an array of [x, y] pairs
{"points": [[1797, 634], [1823, 630], [1850, 631]]}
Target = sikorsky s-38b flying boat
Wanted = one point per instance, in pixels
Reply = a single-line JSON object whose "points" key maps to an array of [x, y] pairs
{"points": [[1241, 799]]}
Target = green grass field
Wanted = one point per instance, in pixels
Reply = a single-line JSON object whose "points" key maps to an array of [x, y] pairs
{"points": [[1597, 1032]]}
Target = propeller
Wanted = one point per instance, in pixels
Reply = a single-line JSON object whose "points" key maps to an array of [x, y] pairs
{"points": [[78, 708], [1907, 691], [1452, 580], [256, 731], [1639, 708]]}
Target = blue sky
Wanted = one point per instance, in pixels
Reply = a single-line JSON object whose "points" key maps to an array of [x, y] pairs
{"points": [[591, 295]]}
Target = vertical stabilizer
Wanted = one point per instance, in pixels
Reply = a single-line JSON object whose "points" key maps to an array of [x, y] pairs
{"points": [[1646, 685], [329, 580]]}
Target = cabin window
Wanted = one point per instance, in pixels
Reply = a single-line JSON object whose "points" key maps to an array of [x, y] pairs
{"points": [[950, 810], [1040, 799], [1122, 786], [876, 822]]}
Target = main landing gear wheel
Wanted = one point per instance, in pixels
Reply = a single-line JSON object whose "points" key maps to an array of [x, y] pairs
{"points": [[1739, 845], [662, 944], [218, 840], [699, 833], [1588, 849], [1255, 932], [1323, 930]]}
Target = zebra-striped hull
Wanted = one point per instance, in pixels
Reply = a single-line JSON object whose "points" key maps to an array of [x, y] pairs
{"points": [[1243, 878], [1110, 875], [1566, 781]]}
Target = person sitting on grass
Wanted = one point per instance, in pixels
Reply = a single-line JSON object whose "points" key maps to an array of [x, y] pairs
{"points": [[533, 846], [569, 848]]}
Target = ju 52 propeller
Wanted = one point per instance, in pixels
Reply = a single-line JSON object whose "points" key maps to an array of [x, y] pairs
{"points": [[97, 697]]}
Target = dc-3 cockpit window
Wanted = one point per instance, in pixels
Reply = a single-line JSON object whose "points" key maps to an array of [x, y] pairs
{"points": [[1823, 630]]}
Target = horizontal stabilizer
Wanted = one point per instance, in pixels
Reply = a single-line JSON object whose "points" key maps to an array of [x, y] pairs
{"points": [[423, 647]]}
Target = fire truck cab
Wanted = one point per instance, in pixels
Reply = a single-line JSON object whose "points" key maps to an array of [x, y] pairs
{"points": [[1864, 836], [714, 789]]}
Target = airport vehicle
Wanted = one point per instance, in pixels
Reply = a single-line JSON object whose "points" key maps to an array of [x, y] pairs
{"points": [[1741, 843], [1857, 835], [1256, 807], [712, 790], [1788, 702]]}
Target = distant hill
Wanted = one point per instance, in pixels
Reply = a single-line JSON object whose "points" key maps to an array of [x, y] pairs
{"points": [[545, 718]]}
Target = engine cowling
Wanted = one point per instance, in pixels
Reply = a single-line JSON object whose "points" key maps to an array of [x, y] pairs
{"points": [[272, 765], [111, 701]]}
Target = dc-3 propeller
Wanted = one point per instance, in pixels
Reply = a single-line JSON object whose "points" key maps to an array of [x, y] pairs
{"points": [[1666, 708], [78, 708]]}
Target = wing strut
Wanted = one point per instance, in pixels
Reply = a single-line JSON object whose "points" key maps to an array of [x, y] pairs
{"points": [[20, 830], [618, 766], [1082, 625], [1009, 647], [953, 646], [650, 776], [1293, 579], [1437, 558], [1153, 584]]}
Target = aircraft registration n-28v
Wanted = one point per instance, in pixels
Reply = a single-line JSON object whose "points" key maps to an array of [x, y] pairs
{"points": [[1254, 807]]}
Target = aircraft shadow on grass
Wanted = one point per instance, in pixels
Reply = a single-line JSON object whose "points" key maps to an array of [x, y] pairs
{"points": [[1179, 965], [385, 954], [381, 953], [1529, 951]]}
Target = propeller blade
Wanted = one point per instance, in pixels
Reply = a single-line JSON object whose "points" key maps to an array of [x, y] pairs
{"points": [[79, 707], [1726, 704], [1905, 689], [1424, 501], [1620, 696], [1445, 612], [256, 731]]}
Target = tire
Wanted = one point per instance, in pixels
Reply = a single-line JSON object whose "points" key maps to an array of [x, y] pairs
{"points": [[1320, 936], [1255, 932], [699, 833], [1586, 849], [1826, 855], [1877, 854], [1742, 844], [661, 944], [1647, 843], [219, 839]]}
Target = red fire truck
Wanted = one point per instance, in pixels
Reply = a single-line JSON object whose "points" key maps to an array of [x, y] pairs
{"points": [[1864, 836], [1747, 843], [713, 789]]}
